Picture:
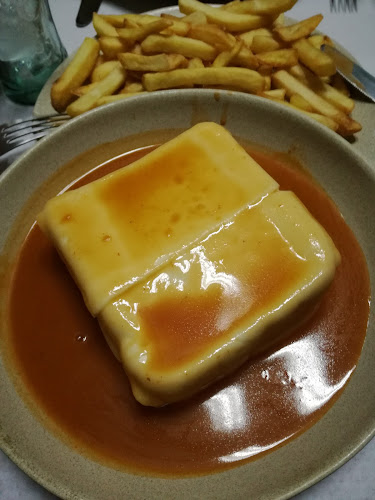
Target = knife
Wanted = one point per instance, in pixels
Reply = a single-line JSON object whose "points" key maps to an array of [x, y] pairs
{"points": [[86, 10], [363, 81]]}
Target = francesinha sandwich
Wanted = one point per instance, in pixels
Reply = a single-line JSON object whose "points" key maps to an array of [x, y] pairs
{"points": [[192, 260]]}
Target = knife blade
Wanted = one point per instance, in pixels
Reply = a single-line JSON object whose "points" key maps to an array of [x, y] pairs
{"points": [[85, 12], [352, 72]]}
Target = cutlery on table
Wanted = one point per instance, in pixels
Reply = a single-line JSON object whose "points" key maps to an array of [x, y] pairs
{"points": [[352, 72]]}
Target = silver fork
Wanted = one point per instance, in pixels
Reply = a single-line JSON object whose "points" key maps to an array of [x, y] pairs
{"points": [[343, 5], [17, 134]]}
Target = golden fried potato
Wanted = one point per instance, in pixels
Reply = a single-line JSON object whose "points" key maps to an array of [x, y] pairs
{"points": [[102, 70], [107, 86], [319, 62], [242, 45], [111, 46], [240, 78], [103, 27], [158, 62], [77, 71], [328, 92], [263, 43], [260, 6], [279, 58], [175, 44], [298, 30], [132, 35], [213, 35], [229, 20], [347, 126], [226, 57]]}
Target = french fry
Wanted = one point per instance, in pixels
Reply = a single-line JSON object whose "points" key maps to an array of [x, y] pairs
{"points": [[175, 44], [249, 36], [229, 20], [103, 27], [300, 102], [77, 71], [267, 82], [158, 62], [195, 18], [319, 62], [111, 46], [177, 28], [299, 30], [246, 59], [119, 20], [324, 90], [108, 86], [131, 87], [101, 71], [279, 58], [325, 79], [260, 6], [282, 79], [243, 79], [129, 23], [274, 94], [279, 20], [99, 60], [195, 62], [243, 45], [319, 40], [316, 41], [84, 89], [213, 35], [262, 43], [137, 49], [132, 35], [226, 57], [170, 17], [229, 5]]}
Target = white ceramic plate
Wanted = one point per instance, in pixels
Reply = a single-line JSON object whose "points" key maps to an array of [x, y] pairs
{"points": [[349, 180]]}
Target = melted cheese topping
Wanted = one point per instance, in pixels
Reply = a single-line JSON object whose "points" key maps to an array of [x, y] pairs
{"points": [[192, 260], [117, 230], [226, 298]]}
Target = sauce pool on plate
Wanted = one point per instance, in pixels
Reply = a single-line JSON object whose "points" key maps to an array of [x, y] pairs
{"points": [[73, 377]]}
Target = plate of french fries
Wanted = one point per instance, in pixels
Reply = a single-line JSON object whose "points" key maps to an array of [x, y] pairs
{"points": [[246, 46]]}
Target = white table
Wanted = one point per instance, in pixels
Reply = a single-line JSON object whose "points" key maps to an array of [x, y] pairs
{"points": [[355, 31]]}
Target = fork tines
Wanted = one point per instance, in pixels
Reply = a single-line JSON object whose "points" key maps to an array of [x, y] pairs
{"points": [[343, 5], [17, 134], [34, 125]]}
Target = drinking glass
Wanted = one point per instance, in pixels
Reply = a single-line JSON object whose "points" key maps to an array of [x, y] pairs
{"points": [[30, 48]]}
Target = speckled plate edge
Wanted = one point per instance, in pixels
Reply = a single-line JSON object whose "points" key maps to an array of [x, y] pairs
{"points": [[351, 183]]}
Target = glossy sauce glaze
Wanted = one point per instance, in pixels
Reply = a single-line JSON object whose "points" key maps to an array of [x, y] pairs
{"points": [[71, 373]]}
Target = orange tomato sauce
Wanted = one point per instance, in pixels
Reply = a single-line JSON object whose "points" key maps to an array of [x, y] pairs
{"points": [[74, 378]]}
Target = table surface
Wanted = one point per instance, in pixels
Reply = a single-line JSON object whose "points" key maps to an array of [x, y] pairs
{"points": [[355, 31]]}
